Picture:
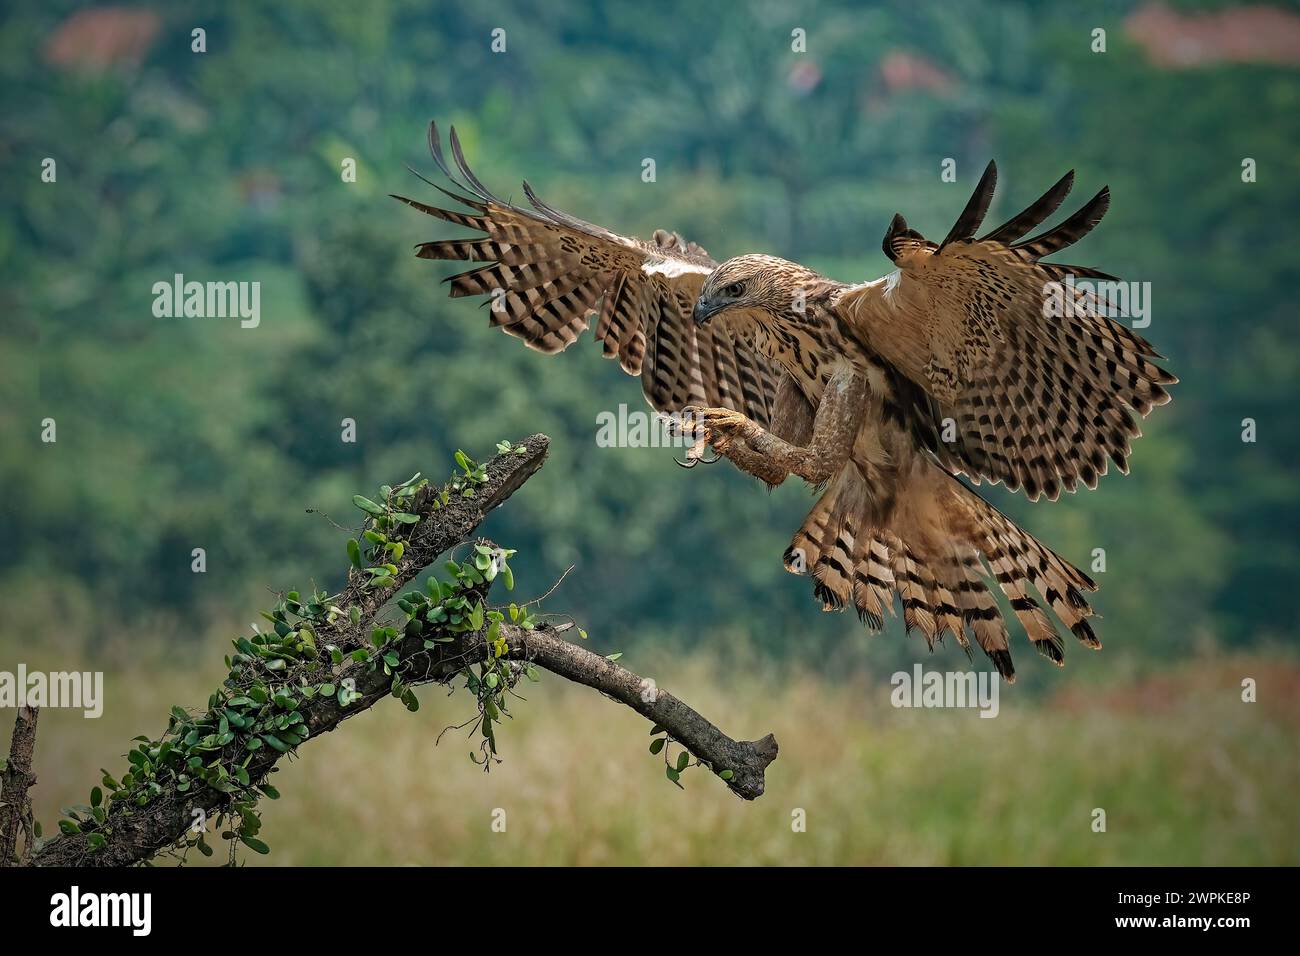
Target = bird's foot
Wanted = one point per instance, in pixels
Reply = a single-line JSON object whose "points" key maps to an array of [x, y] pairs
{"points": [[715, 428]]}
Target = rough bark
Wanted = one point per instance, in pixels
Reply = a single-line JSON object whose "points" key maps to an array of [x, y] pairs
{"points": [[15, 781]]}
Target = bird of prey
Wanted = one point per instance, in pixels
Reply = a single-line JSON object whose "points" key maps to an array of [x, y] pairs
{"points": [[878, 394]]}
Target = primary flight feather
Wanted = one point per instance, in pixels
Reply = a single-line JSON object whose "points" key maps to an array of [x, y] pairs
{"points": [[879, 394]]}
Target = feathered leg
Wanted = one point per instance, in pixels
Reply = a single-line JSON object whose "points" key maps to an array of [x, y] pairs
{"points": [[759, 452]]}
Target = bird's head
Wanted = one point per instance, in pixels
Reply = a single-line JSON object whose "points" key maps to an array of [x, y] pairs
{"points": [[759, 288]]}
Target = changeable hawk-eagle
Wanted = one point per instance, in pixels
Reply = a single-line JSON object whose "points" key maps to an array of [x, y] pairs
{"points": [[878, 394]]}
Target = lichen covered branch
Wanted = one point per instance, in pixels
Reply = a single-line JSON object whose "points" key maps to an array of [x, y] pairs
{"points": [[330, 657]]}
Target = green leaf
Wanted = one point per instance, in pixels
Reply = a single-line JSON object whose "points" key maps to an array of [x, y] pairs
{"points": [[683, 759], [354, 552], [96, 796], [254, 844], [365, 504], [657, 745], [275, 743]]}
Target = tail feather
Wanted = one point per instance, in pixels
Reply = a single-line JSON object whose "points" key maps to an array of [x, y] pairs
{"points": [[939, 555], [947, 616], [917, 611], [873, 583], [979, 611]]}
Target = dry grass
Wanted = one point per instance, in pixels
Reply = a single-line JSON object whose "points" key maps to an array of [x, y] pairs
{"points": [[1186, 773]]}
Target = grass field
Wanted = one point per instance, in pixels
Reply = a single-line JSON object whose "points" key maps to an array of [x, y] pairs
{"points": [[1186, 772]]}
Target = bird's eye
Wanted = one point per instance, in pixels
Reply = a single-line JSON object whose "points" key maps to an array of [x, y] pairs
{"points": [[734, 291]]}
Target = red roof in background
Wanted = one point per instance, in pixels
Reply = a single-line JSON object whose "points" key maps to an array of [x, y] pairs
{"points": [[901, 70], [1249, 34], [102, 37]]}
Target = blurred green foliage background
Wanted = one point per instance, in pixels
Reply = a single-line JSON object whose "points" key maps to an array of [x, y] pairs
{"points": [[225, 165]]}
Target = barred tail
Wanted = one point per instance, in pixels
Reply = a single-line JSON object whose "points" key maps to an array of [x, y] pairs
{"points": [[937, 546]]}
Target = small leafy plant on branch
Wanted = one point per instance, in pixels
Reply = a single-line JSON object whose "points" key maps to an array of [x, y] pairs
{"points": [[321, 657], [676, 764], [273, 671]]}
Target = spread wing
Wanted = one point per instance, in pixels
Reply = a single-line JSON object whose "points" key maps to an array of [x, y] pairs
{"points": [[1039, 399], [549, 274]]}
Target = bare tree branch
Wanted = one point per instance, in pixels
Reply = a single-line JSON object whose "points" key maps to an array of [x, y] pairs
{"points": [[746, 759], [137, 833]]}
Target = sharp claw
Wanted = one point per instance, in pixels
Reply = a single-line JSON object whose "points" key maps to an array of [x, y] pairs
{"points": [[700, 460], [717, 443], [695, 455]]}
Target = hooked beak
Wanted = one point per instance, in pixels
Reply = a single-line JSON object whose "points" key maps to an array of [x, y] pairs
{"points": [[706, 309]]}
